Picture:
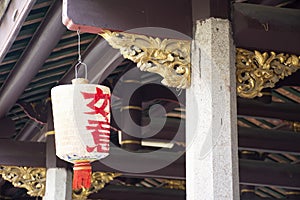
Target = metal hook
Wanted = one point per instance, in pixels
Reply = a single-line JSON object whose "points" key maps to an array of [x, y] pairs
{"points": [[79, 58], [78, 45], [266, 26], [76, 69]]}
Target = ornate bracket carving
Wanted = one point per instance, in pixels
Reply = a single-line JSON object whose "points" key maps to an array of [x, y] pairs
{"points": [[99, 179], [256, 70], [169, 58], [174, 184], [296, 126], [32, 179]]}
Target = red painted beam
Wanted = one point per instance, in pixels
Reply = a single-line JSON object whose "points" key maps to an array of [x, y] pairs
{"points": [[254, 26], [93, 15]]}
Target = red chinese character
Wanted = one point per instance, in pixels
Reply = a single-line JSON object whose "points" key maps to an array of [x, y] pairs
{"points": [[100, 129], [95, 98], [100, 148]]}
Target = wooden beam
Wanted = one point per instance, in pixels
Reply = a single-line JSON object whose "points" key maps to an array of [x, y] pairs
{"points": [[7, 127], [267, 28], [210, 8], [11, 23], [255, 139], [285, 111], [251, 172], [32, 154], [93, 16], [269, 174], [143, 164], [3, 6], [153, 92], [35, 55], [29, 131], [169, 130], [254, 26], [114, 192], [269, 140], [255, 197], [249, 138]]}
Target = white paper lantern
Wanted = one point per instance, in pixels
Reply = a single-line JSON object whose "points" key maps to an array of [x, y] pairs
{"points": [[81, 114]]}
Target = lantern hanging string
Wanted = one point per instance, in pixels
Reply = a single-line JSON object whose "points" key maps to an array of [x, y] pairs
{"points": [[79, 59]]}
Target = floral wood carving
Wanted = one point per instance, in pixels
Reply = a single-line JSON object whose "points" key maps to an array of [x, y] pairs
{"points": [[99, 179], [296, 126], [169, 58], [32, 179], [174, 184], [256, 70]]}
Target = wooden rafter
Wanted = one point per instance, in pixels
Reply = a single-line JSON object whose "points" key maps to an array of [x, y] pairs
{"points": [[11, 23]]}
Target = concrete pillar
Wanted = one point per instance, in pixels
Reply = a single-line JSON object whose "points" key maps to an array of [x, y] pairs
{"points": [[212, 157], [58, 184]]}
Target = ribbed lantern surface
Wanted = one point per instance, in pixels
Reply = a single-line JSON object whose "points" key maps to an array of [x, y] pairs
{"points": [[81, 114]]}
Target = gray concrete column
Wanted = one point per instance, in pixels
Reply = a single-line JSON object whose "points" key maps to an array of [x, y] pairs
{"points": [[58, 184], [212, 157]]}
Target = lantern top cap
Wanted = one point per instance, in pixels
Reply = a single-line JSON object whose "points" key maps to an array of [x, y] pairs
{"points": [[80, 81]]}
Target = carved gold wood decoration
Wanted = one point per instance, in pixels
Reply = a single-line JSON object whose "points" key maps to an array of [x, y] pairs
{"points": [[296, 126], [32, 179], [99, 179], [173, 184], [169, 58], [256, 70]]}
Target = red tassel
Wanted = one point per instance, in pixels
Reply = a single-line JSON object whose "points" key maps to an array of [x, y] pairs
{"points": [[82, 175]]}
